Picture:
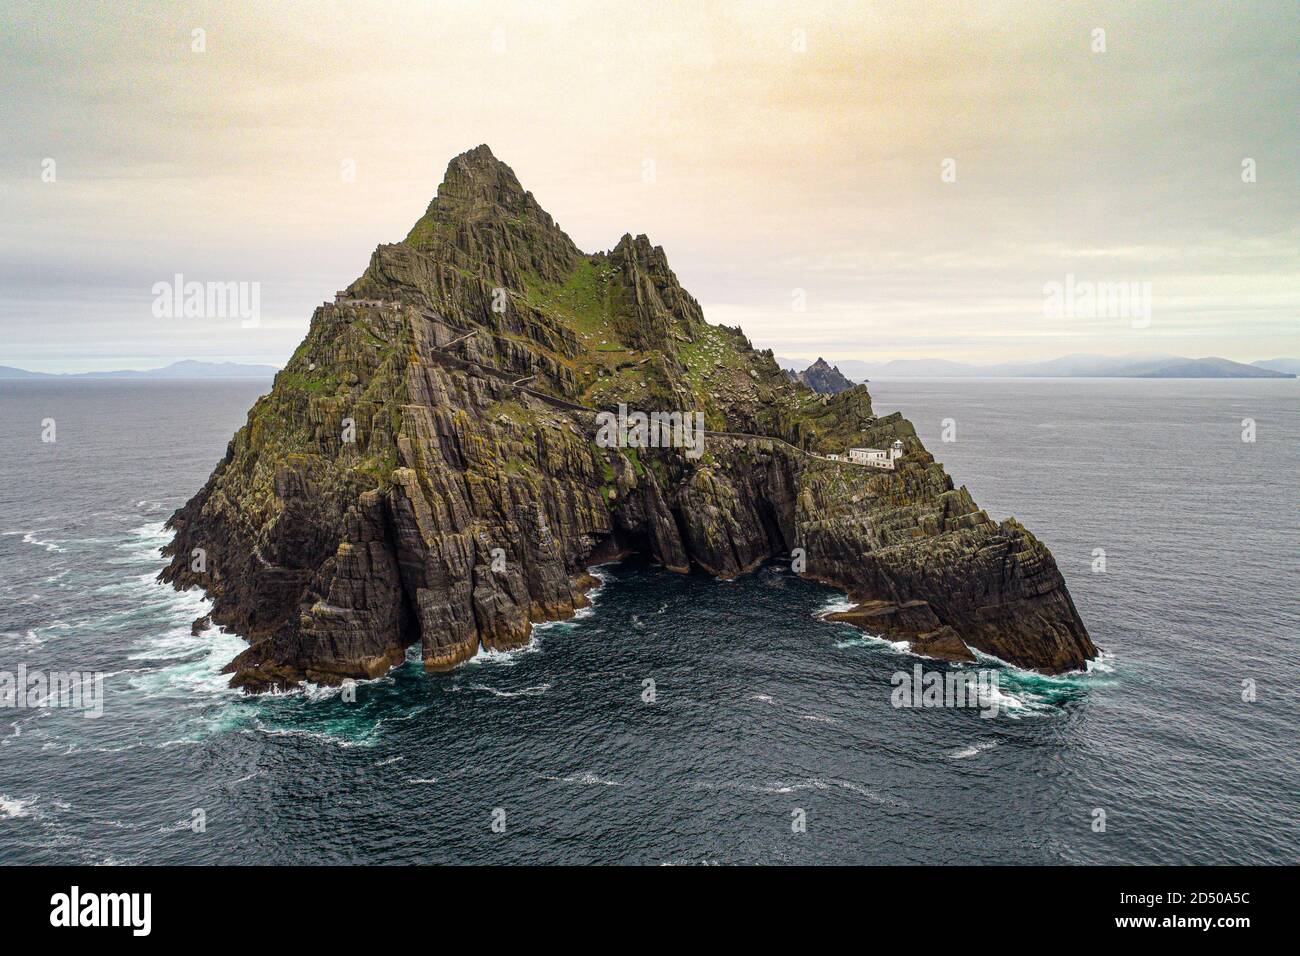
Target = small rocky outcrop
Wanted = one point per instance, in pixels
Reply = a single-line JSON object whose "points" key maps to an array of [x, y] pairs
{"points": [[822, 377], [423, 473]]}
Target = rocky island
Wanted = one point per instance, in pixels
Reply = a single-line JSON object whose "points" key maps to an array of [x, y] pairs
{"points": [[822, 377], [424, 469]]}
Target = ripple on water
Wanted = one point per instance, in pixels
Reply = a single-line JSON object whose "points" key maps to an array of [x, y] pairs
{"points": [[289, 773]]}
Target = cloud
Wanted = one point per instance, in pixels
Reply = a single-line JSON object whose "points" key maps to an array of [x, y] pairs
{"points": [[794, 147]]}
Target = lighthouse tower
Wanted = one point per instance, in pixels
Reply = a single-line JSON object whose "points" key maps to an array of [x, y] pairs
{"points": [[896, 449]]}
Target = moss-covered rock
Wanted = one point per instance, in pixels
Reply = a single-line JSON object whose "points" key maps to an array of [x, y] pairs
{"points": [[424, 468]]}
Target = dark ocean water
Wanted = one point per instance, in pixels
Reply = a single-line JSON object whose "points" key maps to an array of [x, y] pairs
{"points": [[761, 707]]}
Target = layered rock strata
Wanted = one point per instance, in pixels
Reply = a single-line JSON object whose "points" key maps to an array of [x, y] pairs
{"points": [[424, 470]]}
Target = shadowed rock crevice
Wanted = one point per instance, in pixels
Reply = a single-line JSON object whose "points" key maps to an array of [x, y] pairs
{"points": [[424, 470]]}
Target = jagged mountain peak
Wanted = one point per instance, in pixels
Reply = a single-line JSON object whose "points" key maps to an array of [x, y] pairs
{"points": [[642, 253], [476, 176], [639, 244], [484, 221], [823, 378], [470, 364], [480, 155]]}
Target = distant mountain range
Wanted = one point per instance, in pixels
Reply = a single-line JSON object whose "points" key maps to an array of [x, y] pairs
{"points": [[1289, 366], [185, 369], [1069, 366]]}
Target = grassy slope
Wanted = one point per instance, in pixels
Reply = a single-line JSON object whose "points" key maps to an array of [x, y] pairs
{"points": [[718, 367]]}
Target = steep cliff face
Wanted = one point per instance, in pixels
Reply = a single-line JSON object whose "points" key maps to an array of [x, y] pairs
{"points": [[425, 471]]}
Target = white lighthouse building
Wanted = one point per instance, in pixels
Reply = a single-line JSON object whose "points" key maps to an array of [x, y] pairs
{"points": [[876, 457]]}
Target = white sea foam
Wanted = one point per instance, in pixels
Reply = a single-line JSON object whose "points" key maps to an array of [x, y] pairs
{"points": [[193, 664], [1027, 693], [835, 605], [601, 576], [30, 637], [312, 691], [863, 639], [586, 778], [871, 795], [347, 744], [144, 544], [151, 530], [812, 783], [12, 808], [30, 538], [183, 662], [172, 660], [825, 783], [973, 750], [1104, 663], [524, 692], [511, 657], [1066, 679]]}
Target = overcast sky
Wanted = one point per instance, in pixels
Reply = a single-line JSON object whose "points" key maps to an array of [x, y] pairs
{"points": [[792, 147]]}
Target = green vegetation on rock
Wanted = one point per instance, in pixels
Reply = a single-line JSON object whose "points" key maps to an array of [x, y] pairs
{"points": [[424, 468]]}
